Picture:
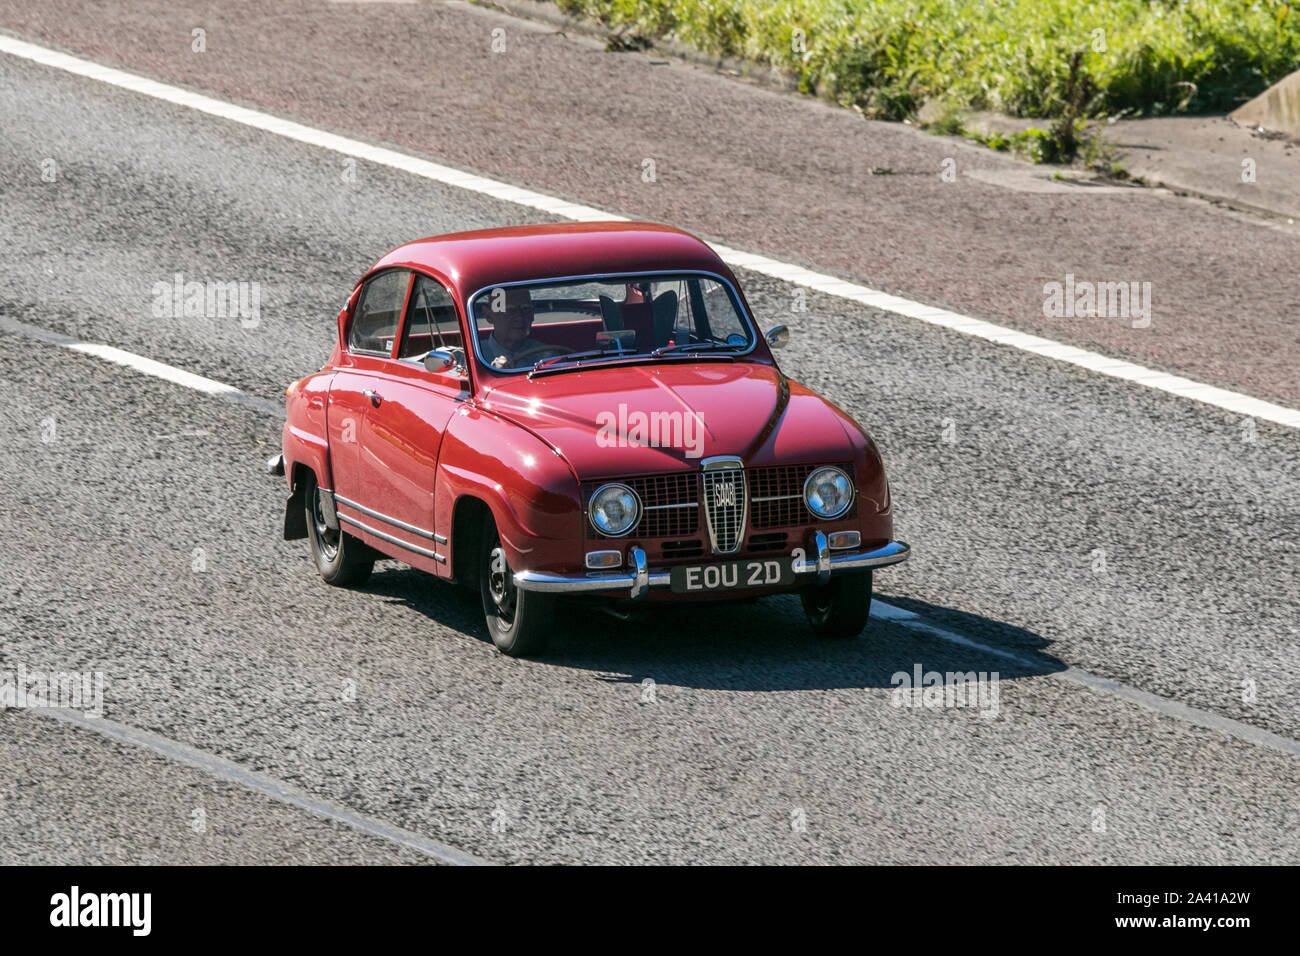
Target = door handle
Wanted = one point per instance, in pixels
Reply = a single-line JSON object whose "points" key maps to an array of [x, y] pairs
{"points": [[375, 398]]}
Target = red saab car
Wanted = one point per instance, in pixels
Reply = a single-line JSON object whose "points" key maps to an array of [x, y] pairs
{"points": [[579, 409]]}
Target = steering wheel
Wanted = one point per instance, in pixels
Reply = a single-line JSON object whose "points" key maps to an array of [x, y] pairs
{"points": [[535, 353]]}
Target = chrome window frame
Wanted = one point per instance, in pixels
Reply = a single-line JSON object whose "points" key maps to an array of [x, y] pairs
{"points": [[401, 312], [737, 301]]}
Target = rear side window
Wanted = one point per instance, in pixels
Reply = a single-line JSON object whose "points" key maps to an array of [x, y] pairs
{"points": [[379, 310], [431, 320]]}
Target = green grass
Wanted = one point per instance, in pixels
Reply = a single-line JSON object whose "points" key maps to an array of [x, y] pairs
{"points": [[889, 56]]}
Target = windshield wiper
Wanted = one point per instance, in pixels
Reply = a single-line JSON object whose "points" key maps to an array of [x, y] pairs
{"points": [[694, 347], [560, 362], [578, 356]]}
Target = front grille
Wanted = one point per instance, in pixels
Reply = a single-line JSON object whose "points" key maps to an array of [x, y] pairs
{"points": [[771, 541], [682, 549], [724, 507], [670, 508], [777, 495], [735, 501]]}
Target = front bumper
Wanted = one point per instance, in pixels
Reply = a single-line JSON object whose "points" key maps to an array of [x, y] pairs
{"points": [[640, 579]]}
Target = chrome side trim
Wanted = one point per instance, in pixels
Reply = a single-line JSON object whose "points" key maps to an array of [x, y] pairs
{"points": [[635, 585], [432, 536], [391, 540]]}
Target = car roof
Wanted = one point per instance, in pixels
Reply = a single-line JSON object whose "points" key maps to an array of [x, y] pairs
{"points": [[475, 260]]}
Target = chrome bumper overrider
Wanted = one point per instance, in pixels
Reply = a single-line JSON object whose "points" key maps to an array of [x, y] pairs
{"points": [[640, 579]]}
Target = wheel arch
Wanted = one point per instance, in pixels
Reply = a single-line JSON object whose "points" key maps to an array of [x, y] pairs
{"points": [[469, 514]]}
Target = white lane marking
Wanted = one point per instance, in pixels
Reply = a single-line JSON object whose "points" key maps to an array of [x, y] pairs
{"points": [[1169, 708], [1057, 351], [1236, 402], [278, 790], [141, 364], [150, 367], [300, 133]]}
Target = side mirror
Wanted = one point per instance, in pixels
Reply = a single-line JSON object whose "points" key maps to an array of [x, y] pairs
{"points": [[439, 360], [778, 337]]}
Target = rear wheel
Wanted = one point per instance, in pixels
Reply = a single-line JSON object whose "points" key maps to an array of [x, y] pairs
{"points": [[841, 606], [519, 621], [341, 559]]}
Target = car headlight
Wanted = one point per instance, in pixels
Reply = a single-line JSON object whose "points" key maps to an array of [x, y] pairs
{"points": [[614, 509], [828, 492]]}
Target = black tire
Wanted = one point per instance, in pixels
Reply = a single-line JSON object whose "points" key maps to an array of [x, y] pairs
{"points": [[341, 559], [519, 621], [840, 607]]}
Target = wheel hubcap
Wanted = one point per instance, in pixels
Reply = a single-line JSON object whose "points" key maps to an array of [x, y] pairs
{"points": [[501, 584], [328, 538]]}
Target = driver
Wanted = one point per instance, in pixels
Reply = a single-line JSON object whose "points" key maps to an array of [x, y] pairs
{"points": [[512, 320]]}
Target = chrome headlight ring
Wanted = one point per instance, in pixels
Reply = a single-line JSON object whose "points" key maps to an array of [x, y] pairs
{"points": [[833, 484], [618, 505]]}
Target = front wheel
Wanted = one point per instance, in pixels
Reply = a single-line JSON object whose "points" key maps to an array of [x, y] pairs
{"points": [[841, 606], [519, 621], [341, 559]]}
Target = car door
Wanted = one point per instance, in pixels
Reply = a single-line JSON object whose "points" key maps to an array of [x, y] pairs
{"points": [[404, 424], [372, 335]]}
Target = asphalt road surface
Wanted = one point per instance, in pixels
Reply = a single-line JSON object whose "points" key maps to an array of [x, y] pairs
{"points": [[1125, 560]]}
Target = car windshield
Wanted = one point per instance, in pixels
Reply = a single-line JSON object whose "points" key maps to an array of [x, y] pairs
{"points": [[574, 322]]}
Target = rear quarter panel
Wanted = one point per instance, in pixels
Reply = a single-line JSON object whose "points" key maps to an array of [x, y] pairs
{"points": [[304, 436]]}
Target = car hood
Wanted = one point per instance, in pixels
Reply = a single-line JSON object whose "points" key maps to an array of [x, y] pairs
{"points": [[641, 419]]}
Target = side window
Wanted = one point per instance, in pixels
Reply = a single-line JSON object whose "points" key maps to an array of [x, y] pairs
{"points": [[375, 323], [430, 321]]}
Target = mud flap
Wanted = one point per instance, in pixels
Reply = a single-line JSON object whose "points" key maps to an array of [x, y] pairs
{"points": [[295, 514]]}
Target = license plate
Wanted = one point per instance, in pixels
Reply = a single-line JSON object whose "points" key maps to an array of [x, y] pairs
{"points": [[729, 575]]}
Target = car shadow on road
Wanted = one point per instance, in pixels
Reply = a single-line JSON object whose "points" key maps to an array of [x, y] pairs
{"points": [[768, 646], [765, 645]]}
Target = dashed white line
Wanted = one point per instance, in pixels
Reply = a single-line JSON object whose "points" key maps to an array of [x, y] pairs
{"points": [[1169, 708], [139, 363], [830, 285], [277, 790]]}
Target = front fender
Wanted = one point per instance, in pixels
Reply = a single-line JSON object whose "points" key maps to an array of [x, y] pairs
{"points": [[530, 489]]}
